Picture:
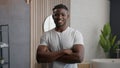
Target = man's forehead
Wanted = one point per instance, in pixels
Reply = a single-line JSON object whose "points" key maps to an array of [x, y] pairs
{"points": [[60, 9]]}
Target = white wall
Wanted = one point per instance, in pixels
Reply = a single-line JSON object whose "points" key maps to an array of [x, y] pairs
{"points": [[89, 16]]}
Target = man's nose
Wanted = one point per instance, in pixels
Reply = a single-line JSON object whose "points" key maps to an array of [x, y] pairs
{"points": [[60, 16]]}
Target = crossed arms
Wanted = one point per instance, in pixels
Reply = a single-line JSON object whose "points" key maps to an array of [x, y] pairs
{"points": [[74, 55]]}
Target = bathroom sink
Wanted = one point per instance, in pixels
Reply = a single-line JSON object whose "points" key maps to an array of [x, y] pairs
{"points": [[105, 63]]}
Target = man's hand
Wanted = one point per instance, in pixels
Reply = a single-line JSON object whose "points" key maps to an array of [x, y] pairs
{"points": [[67, 51]]}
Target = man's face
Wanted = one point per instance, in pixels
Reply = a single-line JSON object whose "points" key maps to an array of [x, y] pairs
{"points": [[60, 17]]}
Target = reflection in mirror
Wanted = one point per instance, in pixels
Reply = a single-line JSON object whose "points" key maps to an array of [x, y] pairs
{"points": [[49, 23]]}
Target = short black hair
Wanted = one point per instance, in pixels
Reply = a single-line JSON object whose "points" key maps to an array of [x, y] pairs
{"points": [[59, 6]]}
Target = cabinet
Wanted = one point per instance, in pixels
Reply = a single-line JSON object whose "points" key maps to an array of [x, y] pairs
{"points": [[4, 46], [115, 22]]}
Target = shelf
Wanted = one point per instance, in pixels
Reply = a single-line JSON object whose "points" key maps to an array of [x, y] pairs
{"points": [[5, 63], [3, 45], [1, 25]]}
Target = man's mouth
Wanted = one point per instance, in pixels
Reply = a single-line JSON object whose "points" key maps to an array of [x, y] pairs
{"points": [[60, 21]]}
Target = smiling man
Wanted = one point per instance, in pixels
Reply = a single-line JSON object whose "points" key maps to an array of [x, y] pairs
{"points": [[61, 47]]}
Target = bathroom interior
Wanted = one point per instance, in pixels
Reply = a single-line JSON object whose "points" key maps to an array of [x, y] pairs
{"points": [[22, 24]]}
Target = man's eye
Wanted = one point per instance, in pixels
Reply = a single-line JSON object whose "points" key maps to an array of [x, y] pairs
{"points": [[56, 15], [63, 14]]}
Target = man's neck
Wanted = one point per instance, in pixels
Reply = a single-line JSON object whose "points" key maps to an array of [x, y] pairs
{"points": [[61, 29]]}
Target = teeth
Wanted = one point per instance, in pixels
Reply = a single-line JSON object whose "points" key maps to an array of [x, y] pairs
{"points": [[60, 20]]}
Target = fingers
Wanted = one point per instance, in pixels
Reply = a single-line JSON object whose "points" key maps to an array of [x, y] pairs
{"points": [[67, 51]]}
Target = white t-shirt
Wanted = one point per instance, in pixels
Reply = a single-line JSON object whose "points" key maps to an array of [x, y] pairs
{"points": [[61, 40]]}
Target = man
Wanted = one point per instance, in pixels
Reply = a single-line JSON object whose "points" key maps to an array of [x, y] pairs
{"points": [[61, 47]]}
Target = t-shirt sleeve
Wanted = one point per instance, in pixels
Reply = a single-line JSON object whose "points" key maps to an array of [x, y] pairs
{"points": [[43, 40], [78, 38]]}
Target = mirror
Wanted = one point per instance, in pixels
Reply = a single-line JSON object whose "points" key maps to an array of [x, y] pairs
{"points": [[48, 24]]}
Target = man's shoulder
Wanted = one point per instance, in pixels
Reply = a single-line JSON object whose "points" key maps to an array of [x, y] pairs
{"points": [[48, 33]]}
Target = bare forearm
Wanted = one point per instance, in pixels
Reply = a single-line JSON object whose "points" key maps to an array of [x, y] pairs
{"points": [[76, 56], [45, 57], [73, 58]]}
